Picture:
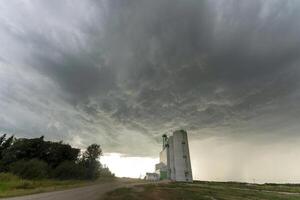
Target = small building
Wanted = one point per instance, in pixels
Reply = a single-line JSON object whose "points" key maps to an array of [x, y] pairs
{"points": [[152, 177], [162, 170]]}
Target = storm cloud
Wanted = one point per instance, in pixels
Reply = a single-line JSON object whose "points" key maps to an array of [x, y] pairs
{"points": [[124, 72]]}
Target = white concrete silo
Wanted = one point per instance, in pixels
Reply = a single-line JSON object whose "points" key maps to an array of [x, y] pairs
{"points": [[175, 162], [179, 157]]}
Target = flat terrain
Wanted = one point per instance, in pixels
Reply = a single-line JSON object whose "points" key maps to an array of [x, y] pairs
{"points": [[131, 189], [206, 191], [91, 192], [21, 187]]}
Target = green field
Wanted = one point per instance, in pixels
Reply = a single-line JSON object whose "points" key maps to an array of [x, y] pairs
{"points": [[207, 191], [11, 185]]}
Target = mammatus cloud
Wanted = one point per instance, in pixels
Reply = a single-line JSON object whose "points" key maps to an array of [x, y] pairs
{"points": [[121, 73]]}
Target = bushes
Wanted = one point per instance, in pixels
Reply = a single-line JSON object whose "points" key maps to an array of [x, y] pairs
{"points": [[92, 169], [37, 169], [105, 172], [25, 184], [36, 158], [32, 169], [53, 153], [69, 170], [6, 177]]}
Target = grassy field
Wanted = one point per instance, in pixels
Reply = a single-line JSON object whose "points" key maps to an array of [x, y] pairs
{"points": [[11, 185], [207, 191]]}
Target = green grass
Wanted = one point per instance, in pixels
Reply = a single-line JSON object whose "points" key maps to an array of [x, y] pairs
{"points": [[207, 191], [11, 185]]}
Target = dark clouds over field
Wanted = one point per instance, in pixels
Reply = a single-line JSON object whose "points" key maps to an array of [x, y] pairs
{"points": [[122, 73]]}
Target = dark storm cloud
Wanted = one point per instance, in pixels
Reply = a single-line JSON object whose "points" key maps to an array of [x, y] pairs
{"points": [[79, 75], [127, 71], [200, 64]]}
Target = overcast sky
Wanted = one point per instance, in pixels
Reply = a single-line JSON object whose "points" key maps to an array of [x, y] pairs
{"points": [[123, 72]]}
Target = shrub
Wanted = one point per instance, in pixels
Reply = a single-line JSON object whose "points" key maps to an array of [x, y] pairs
{"points": [[25, 184], [69, 170], [32, 169], [92, 169], [6, 177], [3, 167], [105, 172]]}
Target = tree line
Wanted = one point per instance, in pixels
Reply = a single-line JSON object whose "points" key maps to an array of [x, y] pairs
{"points": [[36, 158]]}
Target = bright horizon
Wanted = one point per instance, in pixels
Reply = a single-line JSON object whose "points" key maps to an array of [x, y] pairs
{"points": [[207, 168]]}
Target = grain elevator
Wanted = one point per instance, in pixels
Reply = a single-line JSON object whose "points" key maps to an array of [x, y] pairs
{"points": [[175, 162]]}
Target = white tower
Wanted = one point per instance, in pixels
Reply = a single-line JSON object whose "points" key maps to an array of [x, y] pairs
{"points": [[179, 157], [175, 162]]}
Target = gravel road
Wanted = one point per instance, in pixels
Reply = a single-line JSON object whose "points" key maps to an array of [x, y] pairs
{"points": [[93, 192]]}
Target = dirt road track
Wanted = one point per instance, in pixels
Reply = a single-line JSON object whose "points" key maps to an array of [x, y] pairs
{"points": [[93, 192]]}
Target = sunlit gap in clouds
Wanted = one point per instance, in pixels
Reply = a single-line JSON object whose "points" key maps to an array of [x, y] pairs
{"points": [[124, 166]]}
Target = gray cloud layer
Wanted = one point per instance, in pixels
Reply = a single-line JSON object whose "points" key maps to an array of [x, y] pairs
{"points": [[121, 73]]}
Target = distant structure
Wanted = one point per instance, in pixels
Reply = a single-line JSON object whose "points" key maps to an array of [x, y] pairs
{"points": [[152, 177], [175, 163]]}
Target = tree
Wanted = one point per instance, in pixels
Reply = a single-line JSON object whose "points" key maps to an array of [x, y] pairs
{"points": [[37, 158], [4, 145], [93, 152], [90, 161], [53, 153]]}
